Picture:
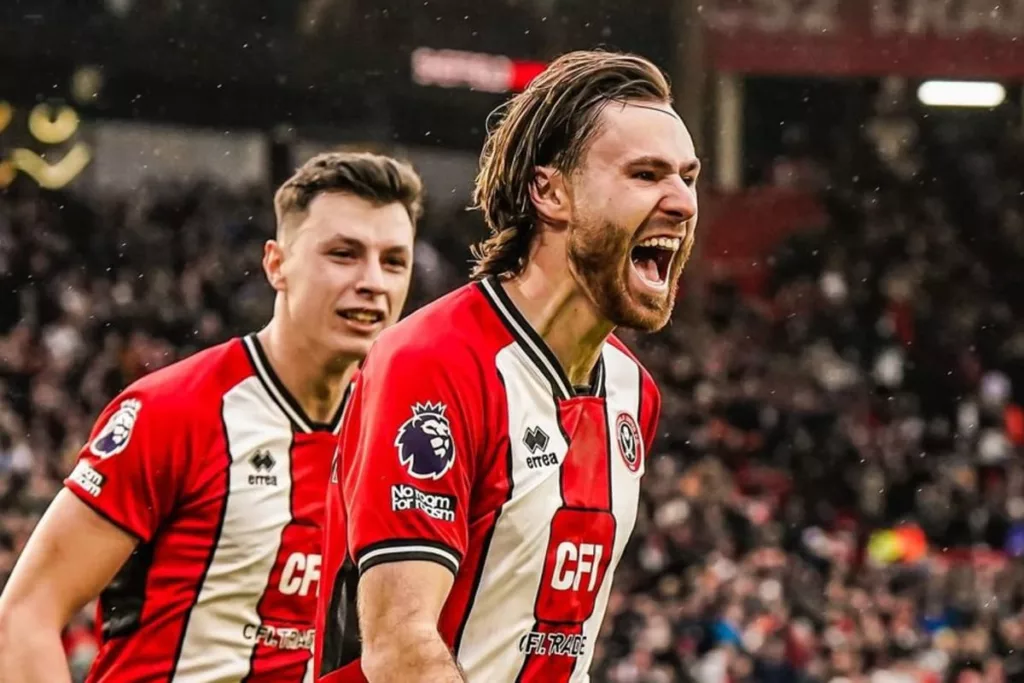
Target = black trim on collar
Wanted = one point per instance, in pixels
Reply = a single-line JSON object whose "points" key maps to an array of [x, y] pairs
{"points": [[280, 394], [535, 348]]}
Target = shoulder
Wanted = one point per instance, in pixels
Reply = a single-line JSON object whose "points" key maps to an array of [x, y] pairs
{"points": [[185, 388], [454, 335], [648, 385], [648, 409]]}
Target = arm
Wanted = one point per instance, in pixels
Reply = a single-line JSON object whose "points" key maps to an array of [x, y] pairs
{"points": [[408, 451], [122, 488], [72, 554], [399, 605]]}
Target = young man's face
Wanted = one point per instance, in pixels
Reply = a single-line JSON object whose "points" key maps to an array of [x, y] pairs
{"points": [[345, 271], [634, 212]]}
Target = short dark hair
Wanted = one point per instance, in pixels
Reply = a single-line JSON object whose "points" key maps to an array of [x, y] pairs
{"points": [[551, 123], [374, 177]]}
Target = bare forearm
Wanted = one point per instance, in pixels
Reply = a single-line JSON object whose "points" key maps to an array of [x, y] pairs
{"points": [[31, 653], [411, 657]]}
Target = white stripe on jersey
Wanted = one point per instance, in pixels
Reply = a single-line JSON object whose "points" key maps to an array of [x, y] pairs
{"points": [[514, 564], [215, 646], [522, 530], [405, 549]]}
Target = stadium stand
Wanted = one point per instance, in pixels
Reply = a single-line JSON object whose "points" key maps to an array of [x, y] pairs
{"points": [[837, 494]]}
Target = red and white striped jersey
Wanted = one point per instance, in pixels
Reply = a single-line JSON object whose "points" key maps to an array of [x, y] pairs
{"points": [[221, 476], [465, 444]]}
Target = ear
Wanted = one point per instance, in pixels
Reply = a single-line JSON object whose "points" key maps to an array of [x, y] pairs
{"points": [[273, 262], [550, 196]]}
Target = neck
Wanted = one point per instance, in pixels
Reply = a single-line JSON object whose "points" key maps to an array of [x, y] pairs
{"points": [[315, 378], [562, 313]]}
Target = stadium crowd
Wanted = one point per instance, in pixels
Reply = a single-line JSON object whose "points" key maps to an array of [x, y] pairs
{"points": [[873, 384], [876, 382]]}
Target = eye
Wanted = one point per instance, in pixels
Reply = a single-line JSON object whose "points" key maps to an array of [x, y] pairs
{"points": [[344, 254], [690, 180], [396, 263], [647, 176]]}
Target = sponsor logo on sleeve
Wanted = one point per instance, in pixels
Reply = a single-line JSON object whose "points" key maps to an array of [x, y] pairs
{"points": [[631, 447], [114, 436], [87, 478], [424, 442], [435, 505]]}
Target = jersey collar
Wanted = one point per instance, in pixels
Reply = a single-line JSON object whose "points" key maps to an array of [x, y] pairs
{"points": [[535, 348], [282, 397]]}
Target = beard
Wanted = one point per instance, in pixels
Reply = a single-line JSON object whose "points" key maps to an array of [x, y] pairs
{"points": [[599, 255]]}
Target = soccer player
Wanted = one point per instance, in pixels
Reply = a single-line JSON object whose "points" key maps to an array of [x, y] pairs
{"points": [[195, 511], [489, 466]]}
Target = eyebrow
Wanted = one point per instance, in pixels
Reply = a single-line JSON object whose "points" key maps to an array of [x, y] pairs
{"points": [[339, 239], [692, 166]]}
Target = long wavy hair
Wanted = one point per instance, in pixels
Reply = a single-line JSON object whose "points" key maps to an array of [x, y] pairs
{"points": [[551, 123]]}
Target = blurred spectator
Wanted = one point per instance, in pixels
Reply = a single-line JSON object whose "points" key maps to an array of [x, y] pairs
{"points": [[837, 493]]}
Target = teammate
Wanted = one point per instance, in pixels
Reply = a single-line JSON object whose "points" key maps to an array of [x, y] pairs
{"points": [[195, 510], [489, 465]]}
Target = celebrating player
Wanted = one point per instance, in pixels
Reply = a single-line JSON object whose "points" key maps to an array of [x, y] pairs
{"points": [[489, 465], [196, 508]]}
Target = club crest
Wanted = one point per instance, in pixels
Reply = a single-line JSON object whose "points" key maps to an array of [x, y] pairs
{"points": [[631, 447], [424, 442], [114, 436]]}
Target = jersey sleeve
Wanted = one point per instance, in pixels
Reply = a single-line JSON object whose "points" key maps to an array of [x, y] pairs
{"points": [[126, 471], [408, 449]]}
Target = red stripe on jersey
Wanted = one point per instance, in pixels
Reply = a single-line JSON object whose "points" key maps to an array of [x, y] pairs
{"points": [[181, 557], [586, 471], [460, 600], [285, 643], [493, 461], [579, 549], [555, 648]]}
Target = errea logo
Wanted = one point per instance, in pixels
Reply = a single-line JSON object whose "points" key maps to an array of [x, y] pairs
{"points": [[536, 441], [262, 463]]}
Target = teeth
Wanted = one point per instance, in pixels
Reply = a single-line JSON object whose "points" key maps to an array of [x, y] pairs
{"points": [[667, 243], [363, 316]]}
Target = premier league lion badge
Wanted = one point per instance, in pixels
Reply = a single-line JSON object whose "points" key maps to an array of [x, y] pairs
{"points": [[113, 438], [424, 442]]}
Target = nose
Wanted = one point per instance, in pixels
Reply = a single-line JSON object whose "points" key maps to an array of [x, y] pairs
{"points": [[371, 279], [680, 200]]}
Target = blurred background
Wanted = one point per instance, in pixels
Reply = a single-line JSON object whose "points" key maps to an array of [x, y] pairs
{"points": [[837, 493]]}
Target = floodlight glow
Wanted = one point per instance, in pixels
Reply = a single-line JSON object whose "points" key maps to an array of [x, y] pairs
{"points": [[961, 94]]}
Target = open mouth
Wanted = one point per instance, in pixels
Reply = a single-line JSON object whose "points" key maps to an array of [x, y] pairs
{"points": [[365, 316], [652, 259]]}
